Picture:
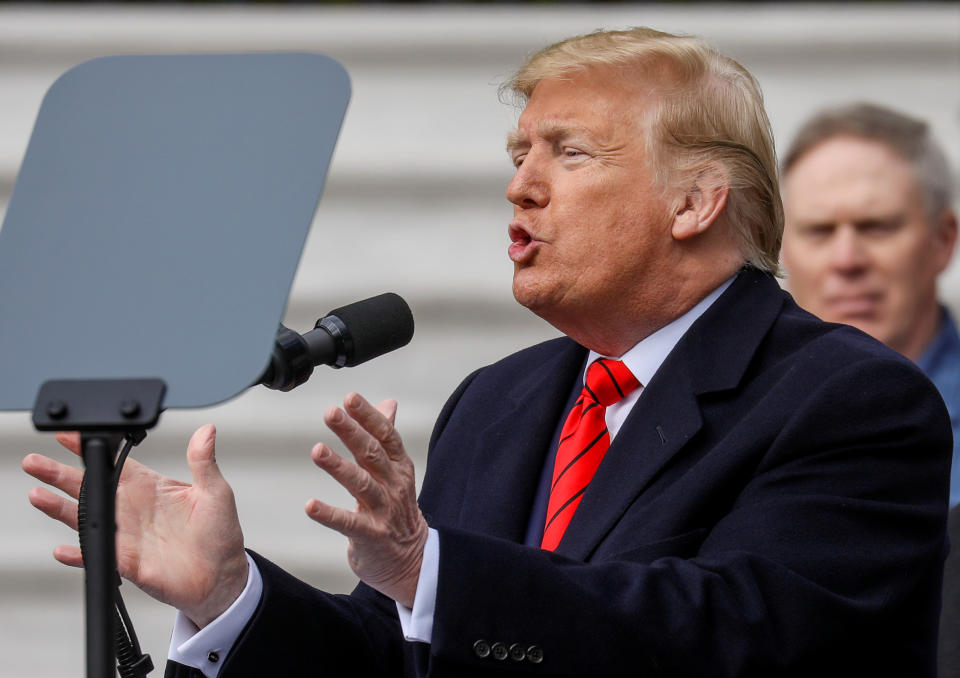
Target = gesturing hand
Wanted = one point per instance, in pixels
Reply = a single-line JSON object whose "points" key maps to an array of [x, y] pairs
{"points": [[178, 542], [387, 531]]}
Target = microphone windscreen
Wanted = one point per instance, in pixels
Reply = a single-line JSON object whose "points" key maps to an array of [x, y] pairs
{"points": [[376, 326]]}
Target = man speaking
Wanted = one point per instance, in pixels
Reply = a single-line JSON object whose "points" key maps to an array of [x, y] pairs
{"points": [[700, 479]]}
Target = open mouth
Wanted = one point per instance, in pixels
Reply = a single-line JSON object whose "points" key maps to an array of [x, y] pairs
{"points": [[519, 234], [522, 244]]}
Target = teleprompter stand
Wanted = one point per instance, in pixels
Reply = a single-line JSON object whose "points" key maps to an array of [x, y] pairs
{"points": [[195, 179], [103, 411]]}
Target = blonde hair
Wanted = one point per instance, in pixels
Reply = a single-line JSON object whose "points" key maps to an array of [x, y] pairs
{"points": [[709, 114]]}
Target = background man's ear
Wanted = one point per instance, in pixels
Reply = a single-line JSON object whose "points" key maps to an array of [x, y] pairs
{"points": [[946, 229], [705, 200]]}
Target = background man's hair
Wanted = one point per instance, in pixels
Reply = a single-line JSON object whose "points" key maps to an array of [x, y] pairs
{"points": [[708, 113], [906, 136]]}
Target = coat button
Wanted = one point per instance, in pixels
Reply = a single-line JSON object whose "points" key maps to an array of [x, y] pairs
{"points": [[517, 652], [534, 654], [481, 648], [499, 651]]}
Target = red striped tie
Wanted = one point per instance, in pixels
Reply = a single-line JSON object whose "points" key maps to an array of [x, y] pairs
{"points": [[583, 442]]}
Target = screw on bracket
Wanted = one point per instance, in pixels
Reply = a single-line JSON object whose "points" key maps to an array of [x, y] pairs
{"points": [[129, 409], [56, 409]]}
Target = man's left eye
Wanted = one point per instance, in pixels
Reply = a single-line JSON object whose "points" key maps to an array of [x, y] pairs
{"points": [[572, 152], [880, 227]]}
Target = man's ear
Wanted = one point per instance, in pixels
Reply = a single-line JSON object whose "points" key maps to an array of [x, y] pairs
{"points": [[704, 201], [946, 229]]}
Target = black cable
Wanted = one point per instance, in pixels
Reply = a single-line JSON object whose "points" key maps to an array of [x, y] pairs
{"points": [[121, 459]]}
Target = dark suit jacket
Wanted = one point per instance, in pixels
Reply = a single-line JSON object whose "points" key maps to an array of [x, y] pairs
{"points": [[949, 649], [774, 505]]}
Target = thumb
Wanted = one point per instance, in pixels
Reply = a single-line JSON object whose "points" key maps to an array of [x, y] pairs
{"points": [[202, 458]]}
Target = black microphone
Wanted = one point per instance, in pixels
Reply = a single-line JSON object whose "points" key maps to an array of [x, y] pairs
{"points": [[345, 337]]}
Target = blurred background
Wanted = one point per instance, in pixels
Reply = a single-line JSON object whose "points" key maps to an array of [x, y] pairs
{"points": [[414, 204]]}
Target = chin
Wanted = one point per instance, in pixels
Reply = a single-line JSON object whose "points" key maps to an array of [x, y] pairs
{"points": [[526, 298], [534, 299], [525, 289]]}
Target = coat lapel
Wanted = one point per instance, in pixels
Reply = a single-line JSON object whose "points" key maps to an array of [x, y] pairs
{"points": [[712, 356], [503, 480]]}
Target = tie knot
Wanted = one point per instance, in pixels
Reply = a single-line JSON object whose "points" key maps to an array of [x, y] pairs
{"points": [[608, 381]]}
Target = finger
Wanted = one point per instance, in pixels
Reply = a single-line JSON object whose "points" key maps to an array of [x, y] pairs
{"points": [[61, 476], [358, 482], [367, 450], [377, 422], [54, 506], [388, 408], [347, 523], [202, 458], [68, 555], [70, 440]]}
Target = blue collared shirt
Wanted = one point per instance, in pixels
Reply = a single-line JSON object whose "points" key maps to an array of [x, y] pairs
{"points": [[941, 362]]}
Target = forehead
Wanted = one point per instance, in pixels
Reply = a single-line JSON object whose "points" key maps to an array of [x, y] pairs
{"points": [[850, 175], [601, 102]]}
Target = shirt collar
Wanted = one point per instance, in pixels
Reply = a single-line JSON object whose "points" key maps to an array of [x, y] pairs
{"points": [[645, 358]]}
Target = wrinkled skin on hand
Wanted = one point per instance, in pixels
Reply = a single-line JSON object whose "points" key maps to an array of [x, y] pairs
{"points": [[387, 531], [181, 543]]}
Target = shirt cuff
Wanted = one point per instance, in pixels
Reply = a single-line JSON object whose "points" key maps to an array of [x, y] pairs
{"points": [[206, 648], [417, 623]]}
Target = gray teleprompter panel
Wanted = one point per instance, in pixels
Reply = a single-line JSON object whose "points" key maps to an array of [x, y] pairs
{"points": [[158, 219]]}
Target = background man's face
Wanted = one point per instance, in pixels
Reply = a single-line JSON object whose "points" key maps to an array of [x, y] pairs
{"points": [[590, 227], [859, 246]]}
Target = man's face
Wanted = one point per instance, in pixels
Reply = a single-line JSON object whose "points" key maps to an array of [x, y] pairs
{"points": [[590, 229], [859, 246]]}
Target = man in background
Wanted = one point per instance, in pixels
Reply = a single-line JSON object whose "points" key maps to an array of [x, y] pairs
{"points": [[869, 229]]}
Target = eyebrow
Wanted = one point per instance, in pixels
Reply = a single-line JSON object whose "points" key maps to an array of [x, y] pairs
{"points": [[549, 130], [516, 139]]}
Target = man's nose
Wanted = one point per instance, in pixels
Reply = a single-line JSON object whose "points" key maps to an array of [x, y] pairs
{"points": [[529, 187], [848, 251]]}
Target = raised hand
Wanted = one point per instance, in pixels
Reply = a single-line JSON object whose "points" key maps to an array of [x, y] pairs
{"points": [[180, 543], [387, 531]]}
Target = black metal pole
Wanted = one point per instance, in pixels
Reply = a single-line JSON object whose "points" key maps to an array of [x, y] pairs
{"points": [[103, 410], [99, 555]]}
